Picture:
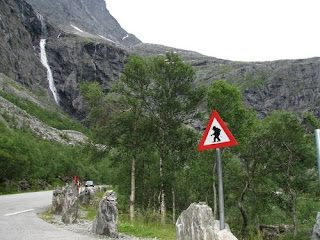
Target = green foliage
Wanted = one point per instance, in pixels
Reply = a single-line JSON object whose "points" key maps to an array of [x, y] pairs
{"points": [[24, 156], [310, 122], [227, 100]]}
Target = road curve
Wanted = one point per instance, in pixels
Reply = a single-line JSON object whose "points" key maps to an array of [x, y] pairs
{"points": [[19, 220]]}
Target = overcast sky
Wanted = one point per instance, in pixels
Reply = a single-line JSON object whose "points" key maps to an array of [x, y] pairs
{"points": [[239, 30]]}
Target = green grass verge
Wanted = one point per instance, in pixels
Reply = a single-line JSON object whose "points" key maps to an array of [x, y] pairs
{"points": [[147, 230], [142, 227], [46, 215]]}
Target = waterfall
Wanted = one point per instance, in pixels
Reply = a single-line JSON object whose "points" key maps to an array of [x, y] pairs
{"points": [[44, 59]]}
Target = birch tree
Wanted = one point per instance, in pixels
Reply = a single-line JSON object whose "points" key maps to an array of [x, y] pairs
{"points": [[164, 87]]}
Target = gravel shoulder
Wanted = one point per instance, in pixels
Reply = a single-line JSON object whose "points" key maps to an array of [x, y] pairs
{"points": [[84, 228]]}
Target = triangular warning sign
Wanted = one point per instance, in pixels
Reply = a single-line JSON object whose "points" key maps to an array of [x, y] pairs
{"points": [[217, 134]]}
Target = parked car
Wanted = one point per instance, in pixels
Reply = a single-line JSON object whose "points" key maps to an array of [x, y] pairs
{"points": [[89, 184]]}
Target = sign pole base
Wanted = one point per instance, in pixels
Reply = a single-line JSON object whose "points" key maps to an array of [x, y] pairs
{"points": [[221, 201]]}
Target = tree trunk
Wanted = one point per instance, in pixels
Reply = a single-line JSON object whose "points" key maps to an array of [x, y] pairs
{"points": [[294, 213], [243, 211], [162, 191], [133, 188], [163, 194], [215, 201], [173, 207], [155, 210]]}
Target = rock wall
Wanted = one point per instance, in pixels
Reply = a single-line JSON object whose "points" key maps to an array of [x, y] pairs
{"points": [[20, 31], [91, 16], [75, 61]]}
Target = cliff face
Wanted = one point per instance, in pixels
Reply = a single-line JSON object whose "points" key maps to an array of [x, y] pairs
{"points": [[293, 85], [74, 61], [20, 30], [266, 86], [88, 18]]}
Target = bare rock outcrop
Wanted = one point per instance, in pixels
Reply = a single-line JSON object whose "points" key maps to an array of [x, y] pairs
{"points": [[106, 220], [22, 118], [197, 222]]}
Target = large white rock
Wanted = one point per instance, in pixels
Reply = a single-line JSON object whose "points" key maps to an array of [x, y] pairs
{"points": [[197, 222], [106, 220], [57, 200], [316, 228], [70, 207]]}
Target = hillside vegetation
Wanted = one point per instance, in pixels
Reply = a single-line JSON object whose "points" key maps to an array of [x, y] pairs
{"points": [[37, 148], [269, 178]]}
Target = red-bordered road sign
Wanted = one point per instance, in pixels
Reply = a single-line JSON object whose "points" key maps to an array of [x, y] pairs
{"points": [[217, 134]]}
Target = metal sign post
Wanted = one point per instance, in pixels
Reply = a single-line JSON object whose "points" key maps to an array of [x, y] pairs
{"points": [[221, 201], [216, 136], [317, 134]]}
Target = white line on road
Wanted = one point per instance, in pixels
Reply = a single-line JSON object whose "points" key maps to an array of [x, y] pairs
{"points": [[10, 214]]}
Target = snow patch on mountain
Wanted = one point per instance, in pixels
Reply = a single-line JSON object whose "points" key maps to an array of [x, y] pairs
{"points": [[76, 28]]}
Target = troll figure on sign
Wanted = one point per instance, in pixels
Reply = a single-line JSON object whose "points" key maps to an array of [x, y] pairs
{"points": [[216, 134]]}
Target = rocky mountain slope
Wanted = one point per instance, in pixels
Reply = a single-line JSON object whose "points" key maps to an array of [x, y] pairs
{"points": [[87, 18], [16, 117], [266, 86]]}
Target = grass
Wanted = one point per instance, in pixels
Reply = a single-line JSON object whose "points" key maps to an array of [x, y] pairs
{"points": [[90, 212], [46, 215], [143, 229]]}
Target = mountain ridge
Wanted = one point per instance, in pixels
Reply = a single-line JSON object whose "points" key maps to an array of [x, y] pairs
{"points": [[87, 18], [266, 86]]}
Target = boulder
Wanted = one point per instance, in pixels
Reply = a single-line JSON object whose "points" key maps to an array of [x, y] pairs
{"points": [[273, 232], [57, 200], [111, 196], [197, 222], [86, 196], [106, 220], [316, 228], [24, 185], [70, 205]]}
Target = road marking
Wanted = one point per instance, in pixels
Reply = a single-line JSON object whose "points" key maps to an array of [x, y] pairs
{"points": [[10, 214]]}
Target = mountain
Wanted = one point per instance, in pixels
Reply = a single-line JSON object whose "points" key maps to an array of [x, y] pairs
{"points": [[71, 58], [75, 56], [87, 18]]}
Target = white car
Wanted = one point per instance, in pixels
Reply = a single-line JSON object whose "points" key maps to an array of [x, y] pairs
{"points": [[89, 184]]}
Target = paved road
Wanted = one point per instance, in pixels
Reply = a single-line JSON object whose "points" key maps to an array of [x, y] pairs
{"points": [[19, 220]]}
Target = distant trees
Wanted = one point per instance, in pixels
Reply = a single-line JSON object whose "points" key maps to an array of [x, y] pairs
{"points": [[24, 156]]}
